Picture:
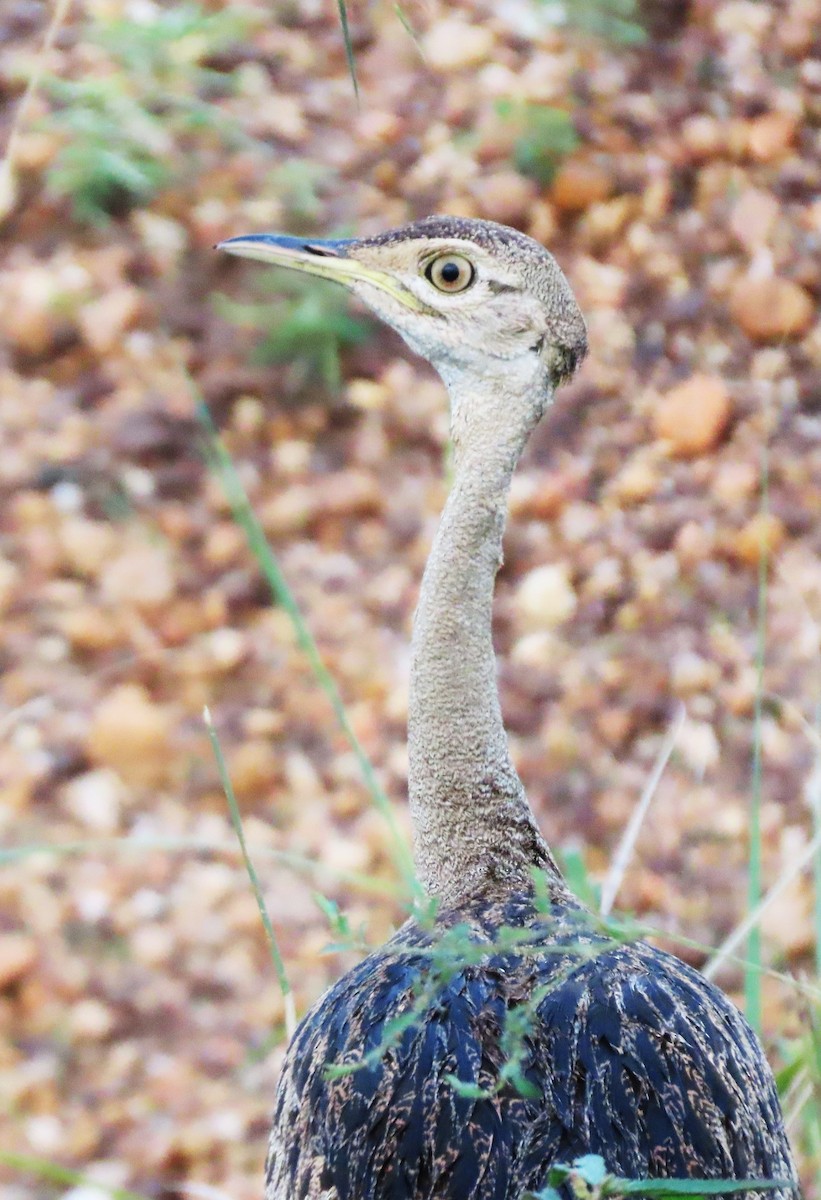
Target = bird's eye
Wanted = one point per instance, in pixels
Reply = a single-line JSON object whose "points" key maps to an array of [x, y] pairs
{"points": [[450, 273]]}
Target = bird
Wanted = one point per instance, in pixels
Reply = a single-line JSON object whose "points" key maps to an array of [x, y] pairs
{"points": [[502, 1029]]}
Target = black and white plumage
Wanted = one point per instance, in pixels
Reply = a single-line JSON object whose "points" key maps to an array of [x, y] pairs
{"points": [[631, 1053], [619, 1050]]}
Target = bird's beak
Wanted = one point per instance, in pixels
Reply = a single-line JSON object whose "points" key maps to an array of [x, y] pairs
{"points": [[328, 259]]}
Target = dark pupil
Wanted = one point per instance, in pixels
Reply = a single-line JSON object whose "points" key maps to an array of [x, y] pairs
{"points": [[450, 272]]}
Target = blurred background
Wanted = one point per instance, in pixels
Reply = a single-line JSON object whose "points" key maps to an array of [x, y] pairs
{"points": [[664, 542]]}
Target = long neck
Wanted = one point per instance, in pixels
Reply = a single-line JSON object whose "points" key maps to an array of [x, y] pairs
{"points": [[473, 827]]}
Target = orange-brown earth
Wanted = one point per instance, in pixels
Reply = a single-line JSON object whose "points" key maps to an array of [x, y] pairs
{"points": [[141, 1026]]}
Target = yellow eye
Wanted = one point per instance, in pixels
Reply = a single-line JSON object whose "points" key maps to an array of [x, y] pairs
{"points": [[450, 273]]}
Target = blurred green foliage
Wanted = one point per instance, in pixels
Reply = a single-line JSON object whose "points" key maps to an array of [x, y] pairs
{"points": [[152, 88], [588, 1177], [799, 1085], [616, 21], [307, 320], [297, 182], [546, 136]]}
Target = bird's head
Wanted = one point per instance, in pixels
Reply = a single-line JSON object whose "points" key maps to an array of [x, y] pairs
{"points": [[483, 303]]}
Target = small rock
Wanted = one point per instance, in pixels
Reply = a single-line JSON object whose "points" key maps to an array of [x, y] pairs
{"points": [[87, 545], [694, 544], [690, 673], [96, 799], [44, 1133], [10, 577], [288, 512], [769, 137], [615, 725], [378, 127], [605, 579], [735, 482], [542, 222], [18, 953], [753, 217], [453, 44], [29, 306], [637, 480], [253, 769], [153, 945], [142, 574], [703, 136], [366, 394], [606, 221], [164, 240], [349, 494], [787, 920], [693, 416], [223, 544], [698, 745], [767, 309], [580, 183], [130, 734], [104, 321], [763, 533], [280, 116], [504, 196], [90, 1020], [545, 597], [228, 647]]}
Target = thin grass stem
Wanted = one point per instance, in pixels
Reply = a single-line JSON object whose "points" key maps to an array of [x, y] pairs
{"points": [[346, 37], [236, 819], [627, 845], [815, 803], [245, 518], [8, 163], [28, 1164], [752, 974], [753, 919], [194, 845]]}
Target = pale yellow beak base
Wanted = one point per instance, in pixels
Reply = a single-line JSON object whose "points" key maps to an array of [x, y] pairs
{"points": [[327, 259]]}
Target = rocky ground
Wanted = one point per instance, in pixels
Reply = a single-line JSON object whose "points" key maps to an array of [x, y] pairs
{"points": [[141, 1026]]}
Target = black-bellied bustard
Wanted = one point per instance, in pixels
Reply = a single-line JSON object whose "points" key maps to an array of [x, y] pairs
{"points": [[626, 1052]]}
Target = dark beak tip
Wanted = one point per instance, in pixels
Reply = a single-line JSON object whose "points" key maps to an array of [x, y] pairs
{"points": [[332, 248]]}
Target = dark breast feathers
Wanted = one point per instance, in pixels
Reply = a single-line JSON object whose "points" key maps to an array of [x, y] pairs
{"points": [[580, 1045]]}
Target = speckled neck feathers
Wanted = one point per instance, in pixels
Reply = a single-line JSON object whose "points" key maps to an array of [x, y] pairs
{"points": [[473, 828]]}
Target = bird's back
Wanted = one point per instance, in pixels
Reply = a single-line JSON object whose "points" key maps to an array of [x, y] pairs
{"points": [[572, 1045]]}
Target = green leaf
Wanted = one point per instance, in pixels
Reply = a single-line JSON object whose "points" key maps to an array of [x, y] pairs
{"points": [[471, 1091], [339, 923], [694, 1187]]}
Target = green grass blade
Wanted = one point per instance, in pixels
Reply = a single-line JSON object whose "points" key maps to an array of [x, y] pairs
{"points": [[245, 518], [349, 55], [752, 973], [236, 819], [405, 22], [680, 1188], [815, 800], [808, 857], [55, 1173], [194, 845]]}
